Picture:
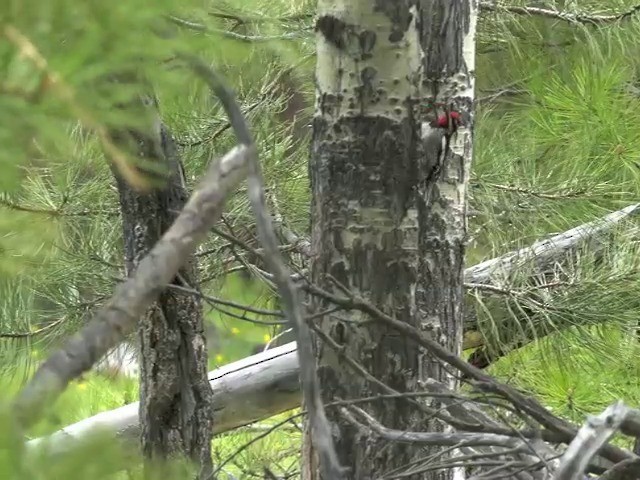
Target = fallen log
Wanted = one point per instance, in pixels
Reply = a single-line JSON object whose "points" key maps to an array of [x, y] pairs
{"points": [[266, 384], [533, 261], [245, 391], [545, 253]]}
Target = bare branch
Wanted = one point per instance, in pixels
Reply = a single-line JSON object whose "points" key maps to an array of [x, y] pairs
{"points": [[202, 28], [267, 384], [431, 438], [546, 252], [58, 212], [482, 381], [620, 469], [292, 306], [595, 433], [578, 18], [486, 6], [132, 298]]}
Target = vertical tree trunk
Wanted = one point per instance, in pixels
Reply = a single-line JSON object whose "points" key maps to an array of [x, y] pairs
{"points": [[175, 396], [380, 226], [447, 37], [448, 41]]}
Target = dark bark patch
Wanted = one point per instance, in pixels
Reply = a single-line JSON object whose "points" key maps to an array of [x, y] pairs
{"points": [[443, 45], [399, 14], [339, 271], [382, 269], [329, 102], [365, 92], [367, 41], [382, 159], [334, 30]]}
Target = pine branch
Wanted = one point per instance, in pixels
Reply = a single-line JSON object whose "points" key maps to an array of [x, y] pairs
{"points": [[131, 299], [575, 18], [292, 307]]}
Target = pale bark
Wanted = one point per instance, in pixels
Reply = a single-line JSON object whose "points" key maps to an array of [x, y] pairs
{"points": [[448, 31], [245, 391], [596, 432], [381, 227]]}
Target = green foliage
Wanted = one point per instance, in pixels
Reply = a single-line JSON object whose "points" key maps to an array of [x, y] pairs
{"points": [[557, 148], [63, 69], [591, 381]]}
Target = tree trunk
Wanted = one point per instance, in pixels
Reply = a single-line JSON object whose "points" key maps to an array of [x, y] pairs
{"points": [[380, 227], [448, 43], [175, 396]]}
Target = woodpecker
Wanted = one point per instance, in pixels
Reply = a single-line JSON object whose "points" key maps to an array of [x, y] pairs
{"points": [[436, 137]]}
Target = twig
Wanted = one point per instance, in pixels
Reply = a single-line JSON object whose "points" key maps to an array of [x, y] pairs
{"points": [[300, 244], [218, 132], [227, 303], [132, 298], [620, 469], [558, 15], [484, 382], [202, 28], [59, 212], [321, 431], [258, 437], [390, 392], [261, 19], [432, 438], [493, 96], [32, 333], [534, 193]]}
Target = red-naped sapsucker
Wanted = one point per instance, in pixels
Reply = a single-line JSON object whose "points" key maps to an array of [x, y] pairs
{"points": [[436, 137]]}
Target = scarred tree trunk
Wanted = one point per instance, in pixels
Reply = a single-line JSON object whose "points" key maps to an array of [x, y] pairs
{"points": [[380, 225], [175, 396]]}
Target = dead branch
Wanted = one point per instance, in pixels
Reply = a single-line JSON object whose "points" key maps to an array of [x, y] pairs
{"points": [[453, 439], [266, 384], [595, 433], [292, 306], [544, 253], [132, 298], [480, 380], [575, 18]]}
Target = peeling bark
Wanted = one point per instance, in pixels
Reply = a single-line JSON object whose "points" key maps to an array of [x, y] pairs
{"points": [[378, 227], [447, 31]]}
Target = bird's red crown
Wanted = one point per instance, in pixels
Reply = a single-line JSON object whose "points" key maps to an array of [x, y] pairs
{"points": [[443, 120]]}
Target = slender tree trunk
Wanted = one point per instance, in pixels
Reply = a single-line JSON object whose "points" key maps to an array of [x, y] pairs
{"points": [[175, 396], [380, 226], [448, 41]]}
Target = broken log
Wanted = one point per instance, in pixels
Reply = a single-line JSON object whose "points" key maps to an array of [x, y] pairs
{"points": [[244, 392]]}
